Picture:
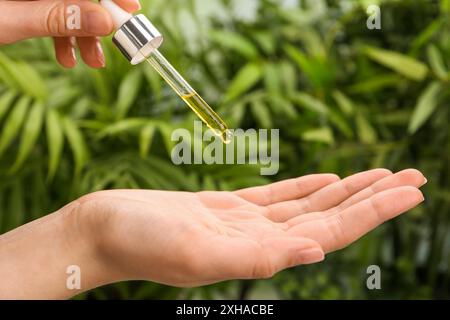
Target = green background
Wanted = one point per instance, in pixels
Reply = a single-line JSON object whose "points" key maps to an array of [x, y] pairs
{"points": [[345, 98]]}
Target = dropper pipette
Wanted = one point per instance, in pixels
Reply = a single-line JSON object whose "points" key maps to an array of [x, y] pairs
{"points": [[139, 40]]}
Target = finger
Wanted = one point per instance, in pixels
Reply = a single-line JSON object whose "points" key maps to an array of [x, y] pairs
{"points": [[65, 52], [129, 5], [240, 258], [26, 19], [341, 229], [287, 189], [408, 177], [327, 197], [91, 51]]}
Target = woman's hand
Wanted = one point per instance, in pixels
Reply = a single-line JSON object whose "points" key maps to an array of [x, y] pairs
{"points": [[192, 239], [21, 20]]}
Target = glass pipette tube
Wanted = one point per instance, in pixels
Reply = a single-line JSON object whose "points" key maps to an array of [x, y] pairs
{"points": [[190, 96]]}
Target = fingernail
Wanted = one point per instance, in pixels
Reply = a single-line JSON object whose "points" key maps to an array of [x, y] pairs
{"points": [[424, 181], [313, 255], [96, 23], [99, 54], [73, 54], [138, 4], [74, 57]]}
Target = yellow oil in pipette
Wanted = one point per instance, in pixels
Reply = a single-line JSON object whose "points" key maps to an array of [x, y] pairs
{"points": [[190, 96]]}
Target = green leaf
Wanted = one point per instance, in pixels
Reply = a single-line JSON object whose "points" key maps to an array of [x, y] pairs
{"points": [[402, 64], [341, 124], [376, 83], [288, 77], [317, 70], [302, 61], [261, 113], [81, 108], [425, 106], [307, 101], [166, 132], [123, 126], [266, 41], [282, 106], [24, 76], [13, 123], [345, 104], [128, 90], [324, 135], [246, 78], [31, 132], [31, 81], [62, 97], [437, 63], [426, 35], [234, 41], [272, 79], [55, 141], [5, 102], [146, 138], [77, 144], [366, 132]]}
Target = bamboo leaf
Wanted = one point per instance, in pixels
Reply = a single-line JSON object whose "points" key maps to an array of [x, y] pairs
{"points": [[426, 35], [55, 141], [5, 102], [307, 101], [302, 61], [13, 123], [261, 113], [77, 144], [376, 83], [402, 64], [288, 77], [235, 42], [62, 97], [366, 132], [24, 76], [126, 125], [425, 107], [282, 106], [324, 135], [128, 90], [31, 81], [272, 79], [246, 78], [146, 138], [345, 104], [31, 132], [437, 63]]}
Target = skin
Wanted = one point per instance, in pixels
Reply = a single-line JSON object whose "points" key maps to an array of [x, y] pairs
{"points": [[191, 239], [47, 18]]}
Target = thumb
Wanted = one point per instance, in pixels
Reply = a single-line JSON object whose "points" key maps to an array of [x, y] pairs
{"points": [[237, 258], [56, 18]]}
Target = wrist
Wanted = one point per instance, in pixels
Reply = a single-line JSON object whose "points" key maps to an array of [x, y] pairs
{"points": [[39, 259], [89, 223]]}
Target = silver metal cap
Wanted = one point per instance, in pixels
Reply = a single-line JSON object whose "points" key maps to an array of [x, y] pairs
{"points": [[137, 39]]}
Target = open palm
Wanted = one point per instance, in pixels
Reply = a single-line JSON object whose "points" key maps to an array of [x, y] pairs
{"points": [[190, 239]]}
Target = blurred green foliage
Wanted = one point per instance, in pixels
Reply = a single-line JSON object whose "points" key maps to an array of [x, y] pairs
{"points": [[346, 99]]}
